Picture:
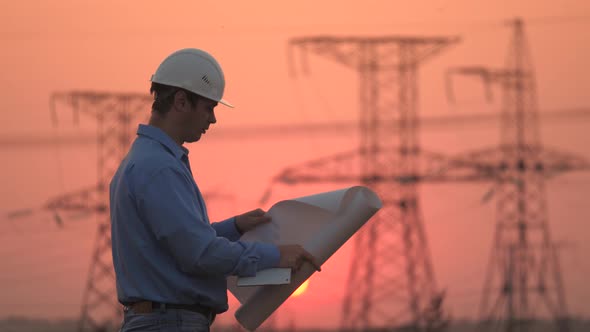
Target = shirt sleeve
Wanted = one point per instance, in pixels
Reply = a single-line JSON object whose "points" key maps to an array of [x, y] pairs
{"points": [[227, 229], [169, 205]]}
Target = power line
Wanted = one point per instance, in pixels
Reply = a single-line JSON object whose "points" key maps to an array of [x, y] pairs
{"points": [[337, 128]]}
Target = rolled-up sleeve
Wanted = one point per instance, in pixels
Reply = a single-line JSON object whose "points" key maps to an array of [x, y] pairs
{"points": [[171, 210]]}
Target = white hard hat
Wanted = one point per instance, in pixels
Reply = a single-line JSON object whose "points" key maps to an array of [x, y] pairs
{"points": [[194, 70]]}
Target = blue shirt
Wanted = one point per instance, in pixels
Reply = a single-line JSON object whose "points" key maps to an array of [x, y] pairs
{"points": [[164, 247]]}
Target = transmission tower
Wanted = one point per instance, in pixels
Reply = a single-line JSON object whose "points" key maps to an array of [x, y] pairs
{"points": [[116, 115], [391, 281], [523, 276]]}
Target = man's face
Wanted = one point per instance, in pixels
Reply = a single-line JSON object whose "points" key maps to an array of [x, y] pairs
{"points": [[198, 119]]}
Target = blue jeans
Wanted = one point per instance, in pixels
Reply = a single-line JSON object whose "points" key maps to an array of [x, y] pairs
{"points": [[168, 320]]}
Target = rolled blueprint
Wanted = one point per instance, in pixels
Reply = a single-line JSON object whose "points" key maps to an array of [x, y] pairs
{"points": [[320, 223]]}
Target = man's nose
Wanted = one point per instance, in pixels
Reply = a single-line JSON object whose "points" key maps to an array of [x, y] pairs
{"points": [[212, 118]]}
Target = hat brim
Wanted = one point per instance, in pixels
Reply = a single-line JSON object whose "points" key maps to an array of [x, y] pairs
{"points": [[226, 103]]}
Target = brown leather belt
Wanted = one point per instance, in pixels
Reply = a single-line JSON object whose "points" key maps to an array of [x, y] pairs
{"points": [[146, 307]]}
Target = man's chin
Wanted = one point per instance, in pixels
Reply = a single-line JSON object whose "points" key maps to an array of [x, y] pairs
{"points": [[194, 139]]}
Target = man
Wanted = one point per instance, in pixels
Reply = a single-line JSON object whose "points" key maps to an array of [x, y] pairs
{"points": [[171, 264]]}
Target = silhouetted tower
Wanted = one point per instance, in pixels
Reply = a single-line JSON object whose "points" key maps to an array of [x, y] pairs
{"points": [[116, 115], [523, 281], [391, 281]]}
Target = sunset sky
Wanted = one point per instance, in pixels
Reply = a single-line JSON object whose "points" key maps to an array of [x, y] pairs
{"points": [[50, 46]]}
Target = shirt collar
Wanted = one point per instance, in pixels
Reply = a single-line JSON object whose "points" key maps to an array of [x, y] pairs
{"points": [[161, 137]]}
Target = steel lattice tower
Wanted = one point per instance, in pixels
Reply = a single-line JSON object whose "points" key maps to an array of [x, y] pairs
{"points": [[523, 282], [116, 115], [391, 281]]}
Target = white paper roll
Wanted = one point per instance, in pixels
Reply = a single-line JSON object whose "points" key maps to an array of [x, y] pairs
{"points": [[321, 224]]}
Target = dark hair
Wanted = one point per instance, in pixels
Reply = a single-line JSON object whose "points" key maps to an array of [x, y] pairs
{"points": [[164, 97]]}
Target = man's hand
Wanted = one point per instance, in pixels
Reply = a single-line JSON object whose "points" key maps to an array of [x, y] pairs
{"points": [[250, 220], [293, 256]]}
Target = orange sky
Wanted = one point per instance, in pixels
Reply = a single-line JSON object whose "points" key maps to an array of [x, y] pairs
{"points": [[115, 46]]}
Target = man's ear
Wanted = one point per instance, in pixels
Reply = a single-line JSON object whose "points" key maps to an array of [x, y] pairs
{"points": [[180, 101]]}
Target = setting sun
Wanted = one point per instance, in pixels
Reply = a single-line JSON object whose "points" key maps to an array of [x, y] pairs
{"points": [[301, 288]]}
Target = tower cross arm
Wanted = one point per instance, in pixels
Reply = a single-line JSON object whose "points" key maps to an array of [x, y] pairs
{"points": [[377, 52], [347, 167], [100, 104], [84, 200], [495, 161], [488, 76]]}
